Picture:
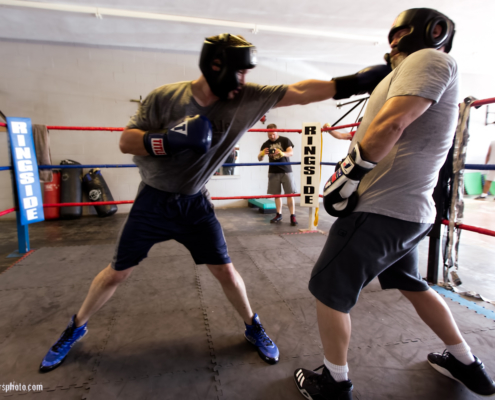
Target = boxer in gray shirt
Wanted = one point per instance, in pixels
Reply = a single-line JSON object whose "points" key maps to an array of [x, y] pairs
{"points": [[397, 152]]}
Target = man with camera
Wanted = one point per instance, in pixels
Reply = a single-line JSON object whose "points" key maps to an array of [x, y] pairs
{"points": [[279, 149]]}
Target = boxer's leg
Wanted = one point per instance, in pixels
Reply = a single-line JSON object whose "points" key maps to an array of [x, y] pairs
{"points": [[142, 228], [203, 236], [436, 314], [335, 333], [234, 288], [360, 247], [101, 290], [275, 187], [457, 361]]}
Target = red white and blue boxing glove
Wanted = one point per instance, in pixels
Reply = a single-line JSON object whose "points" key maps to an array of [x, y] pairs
{"points": [[193, 133], [340, 196]]}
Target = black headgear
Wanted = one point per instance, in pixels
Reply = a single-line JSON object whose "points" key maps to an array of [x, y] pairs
{"points": [[422, 22], [233, 57]]}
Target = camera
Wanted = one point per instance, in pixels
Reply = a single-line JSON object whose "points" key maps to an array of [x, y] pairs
{"points": [[272, 151]]}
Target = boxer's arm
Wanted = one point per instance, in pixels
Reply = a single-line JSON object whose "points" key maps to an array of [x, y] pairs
{"points": [[387, 127], [305, 92], [131, 142], [488, 154], [337, 134]]}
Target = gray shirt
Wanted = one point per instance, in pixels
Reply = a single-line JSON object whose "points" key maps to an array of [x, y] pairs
{"points": [[401, 185], [187, 172]]}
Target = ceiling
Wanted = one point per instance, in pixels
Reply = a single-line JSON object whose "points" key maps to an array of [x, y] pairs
{"points": [[368, 20]]}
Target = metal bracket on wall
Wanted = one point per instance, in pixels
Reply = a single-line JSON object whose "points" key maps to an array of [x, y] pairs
{"points": [[486, 116]]}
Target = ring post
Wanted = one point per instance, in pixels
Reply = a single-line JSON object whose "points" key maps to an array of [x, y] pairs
{"points": [[310, 169], [22, 238], [312, 226], [26, 183]]}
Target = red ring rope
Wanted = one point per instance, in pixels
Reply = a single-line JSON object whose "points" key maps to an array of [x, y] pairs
{"points": [[95, 128], [476, 103], [471, 228], [107, 203], [5, 212]]}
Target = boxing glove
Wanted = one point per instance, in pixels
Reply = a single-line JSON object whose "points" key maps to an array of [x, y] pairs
{"points": [[361, 82], [193, 133], [340, 196]]}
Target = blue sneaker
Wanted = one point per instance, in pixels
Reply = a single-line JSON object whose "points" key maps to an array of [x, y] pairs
{"points": [[256, 335], [57, 353]]}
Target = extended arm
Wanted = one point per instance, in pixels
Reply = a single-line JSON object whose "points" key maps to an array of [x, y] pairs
{"points": [[309, 91], [488, 154], [387, 127]]}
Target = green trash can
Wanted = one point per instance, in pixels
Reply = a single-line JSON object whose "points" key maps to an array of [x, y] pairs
{"points": [[472, 183]]}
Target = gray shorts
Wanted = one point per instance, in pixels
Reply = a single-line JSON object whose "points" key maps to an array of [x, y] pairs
{"points": [[361, 247], [277, 180]]}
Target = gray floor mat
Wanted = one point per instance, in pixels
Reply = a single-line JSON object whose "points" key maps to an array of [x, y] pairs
{"points": [[190, 385], [170, 333]]}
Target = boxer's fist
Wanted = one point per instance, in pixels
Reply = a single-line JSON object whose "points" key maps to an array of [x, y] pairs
{"points": [[361, 82], [340, 192], [193, 133]]}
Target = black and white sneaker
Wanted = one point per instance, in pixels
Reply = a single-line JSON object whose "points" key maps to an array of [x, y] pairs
{"points": [[321, 386], [473, 376]]}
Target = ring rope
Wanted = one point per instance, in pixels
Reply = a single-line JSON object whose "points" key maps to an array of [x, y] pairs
{"points": [[471, 228], [110, 129], [478, 167], [8, 211]]}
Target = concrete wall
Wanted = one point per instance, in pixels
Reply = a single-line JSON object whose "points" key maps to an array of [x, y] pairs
{"points": [[75, 85]]}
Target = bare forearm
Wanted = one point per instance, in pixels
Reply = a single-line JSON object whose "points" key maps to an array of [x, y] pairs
{"points": [[313, 90], [131, 142], [308, 91]]}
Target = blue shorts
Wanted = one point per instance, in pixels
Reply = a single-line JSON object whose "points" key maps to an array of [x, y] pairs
{"points": [[157, 216]]}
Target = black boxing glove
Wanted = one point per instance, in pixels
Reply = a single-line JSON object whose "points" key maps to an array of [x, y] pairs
{"points": [[361, 82], [340, 196], [193, 133]]}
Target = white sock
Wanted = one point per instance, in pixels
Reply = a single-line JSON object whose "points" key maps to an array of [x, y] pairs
{"points": [[338, 372], [483, 194], [462, 352]]}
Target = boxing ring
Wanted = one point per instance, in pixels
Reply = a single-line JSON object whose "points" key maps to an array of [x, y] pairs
{"points": [[169, 332]]}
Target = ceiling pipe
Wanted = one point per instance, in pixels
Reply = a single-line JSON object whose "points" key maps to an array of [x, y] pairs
{"points": [[99, 12]]}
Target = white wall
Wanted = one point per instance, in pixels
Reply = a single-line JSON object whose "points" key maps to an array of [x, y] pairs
{"points": [[75, 85]]}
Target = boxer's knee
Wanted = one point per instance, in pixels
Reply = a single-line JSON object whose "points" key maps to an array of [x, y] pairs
{"points": [[111, 277], [225, 273]]}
